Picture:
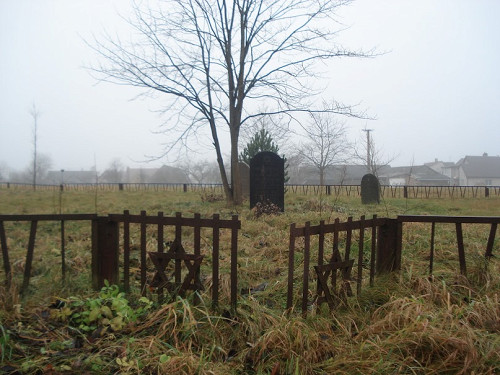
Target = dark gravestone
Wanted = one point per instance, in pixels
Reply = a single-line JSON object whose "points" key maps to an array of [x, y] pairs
{"points": [[244, 178], [267, 180], [370, 189]]}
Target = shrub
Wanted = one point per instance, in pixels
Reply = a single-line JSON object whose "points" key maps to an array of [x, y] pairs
{"points": [[265, 208]]}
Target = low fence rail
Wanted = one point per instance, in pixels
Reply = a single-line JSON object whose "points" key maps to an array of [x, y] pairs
{"points": [[493, 221], [386, 191]]}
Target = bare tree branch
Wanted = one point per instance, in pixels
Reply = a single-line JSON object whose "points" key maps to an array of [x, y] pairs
{"points": [[326, 142], [218, 60]]}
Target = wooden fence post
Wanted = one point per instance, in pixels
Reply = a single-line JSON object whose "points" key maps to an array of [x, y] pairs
{"points": [[104, 252], [388, 259]]}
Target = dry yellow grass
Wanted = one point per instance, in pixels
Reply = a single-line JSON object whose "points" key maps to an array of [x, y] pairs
{"points": [[406, 324]]}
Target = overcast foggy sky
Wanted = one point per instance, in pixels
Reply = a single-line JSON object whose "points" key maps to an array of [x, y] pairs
{"points": [[435, 93]]}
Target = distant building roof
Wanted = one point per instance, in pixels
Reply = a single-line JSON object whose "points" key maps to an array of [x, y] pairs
{"points": [[480, 166], [445, 164], [418, 172]]}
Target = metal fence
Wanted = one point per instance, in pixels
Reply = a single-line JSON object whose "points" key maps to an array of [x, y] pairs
{"points": [[34, 220], [386, 191], [175, 251], [106, 249], [383, 255], [112, 235]]}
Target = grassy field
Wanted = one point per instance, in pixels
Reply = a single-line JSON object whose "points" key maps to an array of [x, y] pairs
{"points": [[407, 323]]}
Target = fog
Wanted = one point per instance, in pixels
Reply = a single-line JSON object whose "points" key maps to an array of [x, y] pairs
{"points": [[433, 92]]}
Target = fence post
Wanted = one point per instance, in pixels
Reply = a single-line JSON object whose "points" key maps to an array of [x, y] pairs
{"points": [[104, 252], [388, 259]]}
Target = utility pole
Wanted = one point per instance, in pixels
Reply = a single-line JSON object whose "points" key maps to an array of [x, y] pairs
{"points": [[368, 150]]}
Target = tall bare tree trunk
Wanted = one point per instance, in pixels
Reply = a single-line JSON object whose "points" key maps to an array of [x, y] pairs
{"points": [[34, 113], [235, 171]]}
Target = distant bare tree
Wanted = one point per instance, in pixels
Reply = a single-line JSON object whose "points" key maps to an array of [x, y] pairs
{"points": [[295, 162], [114, 173], [325, 142], [202, 172], [4, 171], [44, 163], [216, 59], [35, 114]]}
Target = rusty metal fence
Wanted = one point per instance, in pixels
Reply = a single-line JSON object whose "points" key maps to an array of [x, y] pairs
{"points": [[458, 221], [168, 249], [34, 220], [385, 239], [386, 191], [107, 247], [342, 251]]}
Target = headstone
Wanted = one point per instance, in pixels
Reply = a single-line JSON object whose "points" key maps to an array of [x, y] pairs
{"points": [[370, 189], [267, 180], [245, 179]]}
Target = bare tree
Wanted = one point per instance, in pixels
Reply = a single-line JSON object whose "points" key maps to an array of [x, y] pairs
{"points": [[217, 58], [202, 172], [43, 164], [114, 173], [326, 142], [4, 171], [369, 155], [295, 163], [35, 114]]}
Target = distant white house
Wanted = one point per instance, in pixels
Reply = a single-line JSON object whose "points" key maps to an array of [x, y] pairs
{"points": [[416, 175], [447, 168], [478, 171]]}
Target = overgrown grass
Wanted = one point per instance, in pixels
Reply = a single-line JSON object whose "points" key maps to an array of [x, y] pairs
{"points": [[408, 323]]}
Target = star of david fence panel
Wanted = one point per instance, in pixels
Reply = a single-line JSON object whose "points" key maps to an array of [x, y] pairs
{"points": [[165, 253], [161, 278], [337, 241], [328, 272]]}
